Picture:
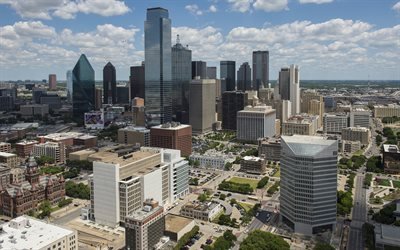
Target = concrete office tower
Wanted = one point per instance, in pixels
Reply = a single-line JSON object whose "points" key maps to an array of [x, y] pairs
{"points": [[389, 110], [360, 134], [173, 136], [52, 82], [69, 85], [255, 122], [316, 107], [359, 117], [211, 72], [83, 95], [136, 80], [202, 105], [138, 112], [98, 98], [260, 69], [228, 72], [119, 185], [51, 149], [289, 86], [308, 183], [144, 228], [232, 102], [181, 77], [199, 70], [109, 84], [334, 123], [308, 96], [134, 135], [286, 110], [244, 77], [158, 77]]}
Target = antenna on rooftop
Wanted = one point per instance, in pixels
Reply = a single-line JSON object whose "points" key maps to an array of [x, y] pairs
{"points": [[177, 39]]}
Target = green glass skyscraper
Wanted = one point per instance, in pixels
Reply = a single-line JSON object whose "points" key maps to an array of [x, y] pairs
{"points": [[83, 87]]}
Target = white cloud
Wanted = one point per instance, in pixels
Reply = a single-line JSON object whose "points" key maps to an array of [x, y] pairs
{"points": [[240, 5], [212, 9], [396, 7], [194, 9], [315, 1], [66, 9], [271, 5]]}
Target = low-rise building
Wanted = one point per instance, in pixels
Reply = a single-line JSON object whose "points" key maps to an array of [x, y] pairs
{"points": [[334, 123], [361, 134], [24, 148], [172, 135], [31, 110], [25, 232], [176, 226], [253, 165], [300, 125], [211, 160], [5, 147], [206, 211], [134, 135], [51, 149], [359, 117], [389, 110], [145, 227], [391, 159], [351, 146], [81, 155], [269, 149], [10, 160]]}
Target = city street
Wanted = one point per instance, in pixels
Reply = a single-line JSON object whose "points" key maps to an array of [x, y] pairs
{"points": [[359, 213]]}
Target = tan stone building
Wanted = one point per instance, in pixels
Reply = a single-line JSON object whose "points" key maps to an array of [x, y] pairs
{"points": [[361, 134]]}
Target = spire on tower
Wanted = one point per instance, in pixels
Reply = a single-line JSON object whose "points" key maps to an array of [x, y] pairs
{"points": [[177, 39]]}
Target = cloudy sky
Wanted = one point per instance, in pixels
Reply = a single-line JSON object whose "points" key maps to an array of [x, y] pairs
{"points": [[328, 39]]}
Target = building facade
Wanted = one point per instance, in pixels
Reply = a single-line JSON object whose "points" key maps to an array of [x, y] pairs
{"points": [[389, 110], [199, 70], [334, 123], [255, 122], [52, 81], [206, 211], [83, 95], [260, 69], [173, 136], [244, 77], [253, 165], [137, 81], [134, 135], [360, 134], [308, 183], [9, 159], [109, 84], [232, 102], [5, 147], [289, 87], [228, 72], [359, 117], [269, 149], [51, 149]]}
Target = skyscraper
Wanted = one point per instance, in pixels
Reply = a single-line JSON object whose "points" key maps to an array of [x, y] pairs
{"points": [[181, 76], [228, 72], [158, 77], [260, 69], [244, 77], [52, 81], [109, 84], [136, 80], [232, 102], [308, 183], [199, 69], [83, 87], [69, 85], [289, 86], [212, 72]]}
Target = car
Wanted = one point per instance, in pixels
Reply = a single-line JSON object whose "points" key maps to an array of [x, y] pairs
{"points": [[209, 241]]}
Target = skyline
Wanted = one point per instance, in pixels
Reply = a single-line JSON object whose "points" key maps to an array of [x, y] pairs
{"points": [[329, 40]]}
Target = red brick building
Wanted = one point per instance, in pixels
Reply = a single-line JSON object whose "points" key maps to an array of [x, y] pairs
{"points": [[17, 199], [172, 135]]}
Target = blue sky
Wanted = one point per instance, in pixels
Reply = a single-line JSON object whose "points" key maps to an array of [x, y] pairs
{"points": [[328, 39]]}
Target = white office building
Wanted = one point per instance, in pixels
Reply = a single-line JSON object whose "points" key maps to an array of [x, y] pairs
{"points": [[359, 117], [25, 232], [334, 123], [255, 122], [54, 150], [120, 185], [286, 110], [308, 183]]}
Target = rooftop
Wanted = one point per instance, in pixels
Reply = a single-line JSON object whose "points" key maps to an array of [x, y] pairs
{"points": [[25, 142], [108, 157], [137, 129], [258, 109], [201, 206], [62, 136], [357, 129], [27, 233], [307, 145], [171, 126], [4, 154], [391, 148], [251, 158], [388, 234], [175, 223], [144, 213]]}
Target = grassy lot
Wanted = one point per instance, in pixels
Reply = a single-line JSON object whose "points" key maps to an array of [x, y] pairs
{"points": [[383, 182], [215, 220], [359, 152], [277, 173], [251, 182], [246, 206], [396, 184]]}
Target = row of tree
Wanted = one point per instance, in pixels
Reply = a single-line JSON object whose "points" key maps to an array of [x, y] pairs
{"points": [[243, 188]]}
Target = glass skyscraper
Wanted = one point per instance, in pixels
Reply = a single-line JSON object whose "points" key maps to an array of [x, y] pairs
{"points": [[158, 78], [244, 77], [181, 77], [83, 87], [228, 72], [69, 85], [109, 84], [260, 69]]}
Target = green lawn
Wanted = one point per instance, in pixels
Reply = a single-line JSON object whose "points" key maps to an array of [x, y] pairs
{"points": [[383, 182], [251, 182], [245, 206], [277, 173], [396, 184], [359, 152]]}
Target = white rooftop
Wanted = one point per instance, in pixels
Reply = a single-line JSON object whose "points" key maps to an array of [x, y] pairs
{"points": [[4, 154], [29, 233], [306, 145], [391, 148], [171, 126]]}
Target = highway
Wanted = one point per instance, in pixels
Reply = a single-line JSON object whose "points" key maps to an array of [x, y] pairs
{"points": [[359, 215]]}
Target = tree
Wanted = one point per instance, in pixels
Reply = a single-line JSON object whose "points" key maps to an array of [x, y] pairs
{"points": [[45, 207], [222, 197], [323, 246], [202, 197], [263, 182], [263, 240], [233, 201], [80, 190]]}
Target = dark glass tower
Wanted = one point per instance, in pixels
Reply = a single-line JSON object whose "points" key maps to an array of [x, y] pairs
{"points": [[137, 81], [232, 102], [158, 79], [228, 72], [109, 84], [244, 77], [181, 77], [199, 69], [83, 87], [260, 69]]}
